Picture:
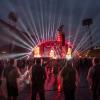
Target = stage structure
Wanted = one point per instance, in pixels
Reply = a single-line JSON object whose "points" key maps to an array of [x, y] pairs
{"points": [[58, 48]]}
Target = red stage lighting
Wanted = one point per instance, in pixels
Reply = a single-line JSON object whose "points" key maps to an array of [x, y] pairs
{"points": [[61, 38]]}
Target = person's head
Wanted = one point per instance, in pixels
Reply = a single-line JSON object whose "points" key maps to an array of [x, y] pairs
{"points": [[95, 61], [11, 62], [38, 61], [69, 63]]}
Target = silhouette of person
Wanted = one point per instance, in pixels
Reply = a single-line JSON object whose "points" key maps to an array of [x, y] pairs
{"points": [[1, 71], [11, 74], [93, 78], [38, 80], [69, 81]]}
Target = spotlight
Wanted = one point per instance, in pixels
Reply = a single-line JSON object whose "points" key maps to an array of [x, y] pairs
{"points": [[68, 57]]}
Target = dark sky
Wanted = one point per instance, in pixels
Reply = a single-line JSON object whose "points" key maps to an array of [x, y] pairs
{"points": [[45, 16]]}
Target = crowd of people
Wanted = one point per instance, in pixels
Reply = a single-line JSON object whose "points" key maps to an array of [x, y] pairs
{"points": [[36, 71]]}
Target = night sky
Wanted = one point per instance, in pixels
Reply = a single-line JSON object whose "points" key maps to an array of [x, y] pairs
{"points": [[45, 16]]}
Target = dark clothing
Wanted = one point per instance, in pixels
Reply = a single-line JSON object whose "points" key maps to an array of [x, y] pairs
{"points": [[69, 94], [11, 74], [69, 78], [0, 82], [12, 90], [38, 75], [1, 70], [96, 82], [39, 90], [7, 70], [38, 80]]}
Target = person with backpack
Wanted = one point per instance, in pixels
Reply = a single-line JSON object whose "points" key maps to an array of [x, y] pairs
{"points": [[38, 80], [93, 78], [69, 77]]}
